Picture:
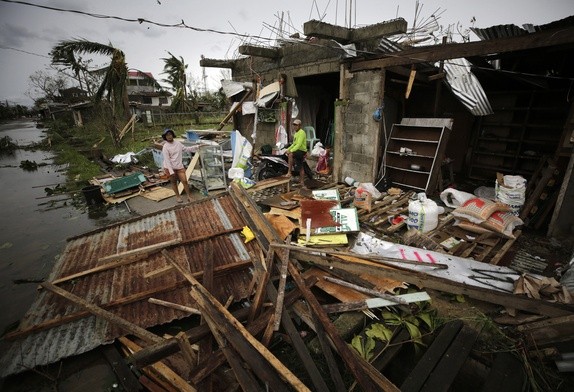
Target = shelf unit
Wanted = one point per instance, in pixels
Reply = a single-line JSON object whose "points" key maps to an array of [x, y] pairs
{"points": [[212, 167], [415, 145], [526, 127]]}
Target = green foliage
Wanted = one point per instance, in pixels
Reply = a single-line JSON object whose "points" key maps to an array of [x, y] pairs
{"points": [[380, 332], [364, 346]]}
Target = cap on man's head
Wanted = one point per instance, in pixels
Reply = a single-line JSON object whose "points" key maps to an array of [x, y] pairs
{"points": [[297, 121]]}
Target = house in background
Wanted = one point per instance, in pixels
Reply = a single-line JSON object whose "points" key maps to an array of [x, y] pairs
{"points": [[145, 94], [74, 95]]}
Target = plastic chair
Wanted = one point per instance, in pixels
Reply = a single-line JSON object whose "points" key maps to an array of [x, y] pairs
{"points": [[311, 137]]}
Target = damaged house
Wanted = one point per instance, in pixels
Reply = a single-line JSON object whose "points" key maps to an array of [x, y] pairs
{"points": [[508, 97], [397, 116]]}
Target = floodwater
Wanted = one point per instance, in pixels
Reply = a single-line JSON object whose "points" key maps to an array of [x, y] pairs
{"points": [[34, 226]]}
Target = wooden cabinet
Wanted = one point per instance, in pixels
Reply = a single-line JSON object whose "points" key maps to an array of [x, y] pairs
{"points": [[414, 155], [525, 128]]}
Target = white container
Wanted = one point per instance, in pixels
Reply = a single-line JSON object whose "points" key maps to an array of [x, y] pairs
{"points": [[512, 192], [423, 214], [235, 172]]}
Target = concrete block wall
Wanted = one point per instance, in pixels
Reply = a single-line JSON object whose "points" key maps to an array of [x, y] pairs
{"points": [[360, 130]]}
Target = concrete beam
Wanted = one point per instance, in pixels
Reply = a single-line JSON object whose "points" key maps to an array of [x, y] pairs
{"points": [[315, 28], [259, 51], [213, 63], [379, 30]]}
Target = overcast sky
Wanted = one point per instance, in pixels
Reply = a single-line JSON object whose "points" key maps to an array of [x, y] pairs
{"points": [[28, 33]]}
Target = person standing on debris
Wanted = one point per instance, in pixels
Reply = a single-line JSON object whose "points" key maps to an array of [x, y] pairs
{"points": [[297, 151], [172, 152]]}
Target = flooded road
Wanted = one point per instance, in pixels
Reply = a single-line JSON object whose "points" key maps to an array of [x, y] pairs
{"points": [[34, 226]]}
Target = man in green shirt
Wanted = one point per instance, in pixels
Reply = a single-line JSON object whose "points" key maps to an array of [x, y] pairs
{"points": [[297, 150]]}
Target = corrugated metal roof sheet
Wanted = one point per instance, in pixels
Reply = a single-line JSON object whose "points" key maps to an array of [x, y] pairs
{"points": [[459, 77], [466, 86], [210, 224]]}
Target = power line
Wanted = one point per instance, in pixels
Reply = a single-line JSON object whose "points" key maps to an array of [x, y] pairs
{"points": [[182, 24], [23, 51]]}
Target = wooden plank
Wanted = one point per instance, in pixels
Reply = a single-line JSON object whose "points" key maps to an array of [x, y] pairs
{"points": [[424, 367], [138, 255], [206, 344], [242, 375], [125, 376], [438, 283], [186, 349], [144, 250], [119, 302], [392, 298], [434, 53], [450, 364], [506, 373], [155, 352], [172, 305], [367, 377], [502, 251], [299, 345], [375, 303], [224, 318], [162, 370], [108, 316], [284, 257], [189, 170], [259, 297], [550, 331]]}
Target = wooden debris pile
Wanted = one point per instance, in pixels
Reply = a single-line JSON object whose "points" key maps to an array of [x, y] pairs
{"points": [[232, 346]]}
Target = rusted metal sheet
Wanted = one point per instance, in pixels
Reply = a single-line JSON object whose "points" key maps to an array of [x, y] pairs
{"points": [[213, 224]]}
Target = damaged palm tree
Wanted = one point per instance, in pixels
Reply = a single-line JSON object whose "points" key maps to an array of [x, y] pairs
{"points": [[114, 84], [175, 68]]}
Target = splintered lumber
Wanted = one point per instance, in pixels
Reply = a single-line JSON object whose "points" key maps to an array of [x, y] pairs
{"points": [[161, 370], [298, 344], [108, 316], [259, 297], [119, 302], [186, 349], [329, 357], [371, 303], [368, 377], [135, 255], [171, 305], [261, 360], [422, 279], [158, 351], [284, 256], [391, 298], [206, 345], [242, 375], [188, 171], [209, 365], [125, 376], [550, 331], [139, 251]]}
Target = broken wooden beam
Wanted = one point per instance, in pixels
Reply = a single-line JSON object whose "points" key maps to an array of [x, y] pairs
{"points": [[158, 351], [262, 361], [108, 316], [368, 377], [421, 279]]}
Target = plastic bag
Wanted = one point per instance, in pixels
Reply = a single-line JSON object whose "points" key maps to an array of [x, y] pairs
{"points": [[317, 150], [454, 198]]}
